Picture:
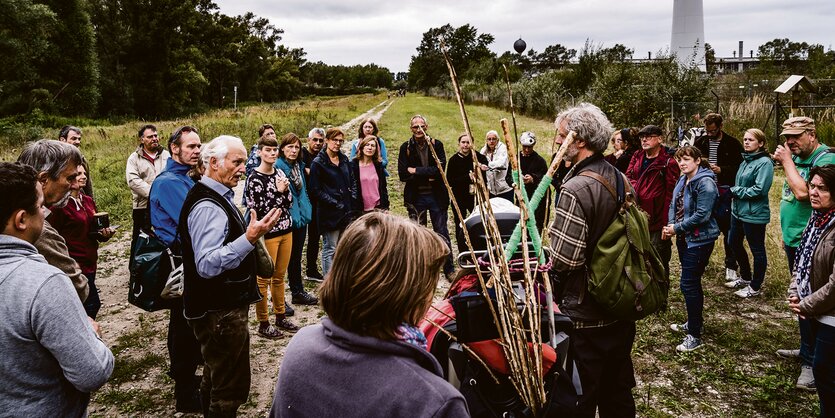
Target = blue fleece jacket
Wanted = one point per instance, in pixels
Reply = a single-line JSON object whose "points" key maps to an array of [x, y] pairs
{"points": [[301, 210], [168, 192], [700, 194]]}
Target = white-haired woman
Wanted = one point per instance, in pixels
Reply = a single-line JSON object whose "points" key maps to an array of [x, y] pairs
{"points": [[496, 153]]}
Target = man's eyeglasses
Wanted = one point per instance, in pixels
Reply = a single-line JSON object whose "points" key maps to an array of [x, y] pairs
{"points": [[650, 136], [317, 140], [422, 127]]}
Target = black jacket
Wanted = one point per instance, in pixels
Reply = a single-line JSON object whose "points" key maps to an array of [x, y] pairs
{"points": [[332, 187], [458, 174], [428, 174], [728, 157], [534, 165], [382, 189]]}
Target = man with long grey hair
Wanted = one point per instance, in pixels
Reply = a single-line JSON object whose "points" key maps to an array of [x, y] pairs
{"points": [[601, 343], [57, 165]]}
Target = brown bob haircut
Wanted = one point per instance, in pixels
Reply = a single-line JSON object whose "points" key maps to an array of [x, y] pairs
{"points": [[384, 273], [332, 133], [288, 139], [362, 143], [364, 121], [266, 142]]}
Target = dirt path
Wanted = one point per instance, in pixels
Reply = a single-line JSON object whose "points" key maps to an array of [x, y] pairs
{"points": [[139, 386]]}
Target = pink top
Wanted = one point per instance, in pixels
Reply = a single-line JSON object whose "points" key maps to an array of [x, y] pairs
{"points": [[370, 186]]}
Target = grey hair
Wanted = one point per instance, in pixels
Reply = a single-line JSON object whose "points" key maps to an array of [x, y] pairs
{"points": [[491, 132], [49, 156], [315, 131], [426, 121], [219, 148], [589, 124]]}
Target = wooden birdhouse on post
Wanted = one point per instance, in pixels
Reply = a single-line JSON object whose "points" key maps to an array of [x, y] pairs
{"points": [[795, 84]]}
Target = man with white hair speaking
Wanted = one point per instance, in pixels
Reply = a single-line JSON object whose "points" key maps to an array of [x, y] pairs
{"points": [[219, 269]]}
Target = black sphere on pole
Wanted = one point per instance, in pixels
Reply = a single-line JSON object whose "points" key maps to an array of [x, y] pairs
{"points": [[520, 45]]}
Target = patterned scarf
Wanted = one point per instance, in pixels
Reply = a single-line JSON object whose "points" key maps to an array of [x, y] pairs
{"points": [[411, 335], [295, 175], [818, 224]]}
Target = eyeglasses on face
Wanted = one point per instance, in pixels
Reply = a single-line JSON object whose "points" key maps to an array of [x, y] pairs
{"points": [[422, 127]]}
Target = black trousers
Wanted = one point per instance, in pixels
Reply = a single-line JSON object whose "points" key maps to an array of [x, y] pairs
{"points": [[604, 362], [313, 238], [183, 350], [294, 269]]}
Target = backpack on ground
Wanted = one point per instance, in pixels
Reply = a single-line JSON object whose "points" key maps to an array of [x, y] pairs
{"points": [[625, 272]]}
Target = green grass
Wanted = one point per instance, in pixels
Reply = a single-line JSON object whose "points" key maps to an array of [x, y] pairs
{"points": [[735, 374]]}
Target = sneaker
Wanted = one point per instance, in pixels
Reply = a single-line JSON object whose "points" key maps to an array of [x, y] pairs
{"points": [[747, 292], [690, 343], [286, 325], [735, 283], [679, 327], [731, 275], [288, 310], [305, 298], [270, 332], [788, 353], [806, 380], [315, 276]]}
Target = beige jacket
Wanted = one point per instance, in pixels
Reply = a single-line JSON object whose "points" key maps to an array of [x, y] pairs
{"points": [[822, 280], [53, 248], [140, 173]]}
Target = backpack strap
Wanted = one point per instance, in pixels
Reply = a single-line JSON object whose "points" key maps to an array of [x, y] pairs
{"points": [[617, 194], [816, 159]]}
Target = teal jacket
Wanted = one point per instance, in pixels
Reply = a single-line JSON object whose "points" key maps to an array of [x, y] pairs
{"points": [[753, 181]]}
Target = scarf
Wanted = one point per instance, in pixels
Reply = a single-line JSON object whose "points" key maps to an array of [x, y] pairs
{"points": [[295, 175], [411, 334], [818, 224]]}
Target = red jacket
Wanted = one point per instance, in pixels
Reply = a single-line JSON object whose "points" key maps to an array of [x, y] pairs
{"points": [[75, 223], [654, 186]]}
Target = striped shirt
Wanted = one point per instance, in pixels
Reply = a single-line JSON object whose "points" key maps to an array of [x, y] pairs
{"points": [[714, 147]]}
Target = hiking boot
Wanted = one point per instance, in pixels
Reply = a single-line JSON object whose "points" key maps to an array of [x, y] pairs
{"points": [[806, 380], [736, 283], [747, 292], [304, 298], [268, 331], [288, 310], [788, 353], [690, 343], [679, 327]]}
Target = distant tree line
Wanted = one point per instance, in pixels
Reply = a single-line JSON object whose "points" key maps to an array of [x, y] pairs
{"points": [[632, 92], [151, 58]]}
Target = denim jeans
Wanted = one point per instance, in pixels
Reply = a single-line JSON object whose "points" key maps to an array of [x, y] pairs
{"points": [[329, 241], [755, 235], [93, 302], [312, 265], [427, 203], [823, 367], [807, 341], [693, 263]]}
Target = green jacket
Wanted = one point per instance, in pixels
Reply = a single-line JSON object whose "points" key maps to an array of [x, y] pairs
{"points": [[753, 181]]}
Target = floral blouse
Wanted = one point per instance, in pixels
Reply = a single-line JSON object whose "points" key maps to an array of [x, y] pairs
{"points": [[262, 195]]}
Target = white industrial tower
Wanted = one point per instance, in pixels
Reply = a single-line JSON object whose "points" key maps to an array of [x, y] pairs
{"points": [[688, 37]]}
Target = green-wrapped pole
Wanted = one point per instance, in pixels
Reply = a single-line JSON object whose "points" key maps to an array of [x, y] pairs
{"points": [[539, 193], [516, 238]]}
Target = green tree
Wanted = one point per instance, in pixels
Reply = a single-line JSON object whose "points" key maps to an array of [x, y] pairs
{"points": [[466, 47], [25, 29], [71, 73]]}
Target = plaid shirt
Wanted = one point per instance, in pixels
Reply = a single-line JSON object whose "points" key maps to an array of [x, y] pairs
{"points": [[569, 232]]}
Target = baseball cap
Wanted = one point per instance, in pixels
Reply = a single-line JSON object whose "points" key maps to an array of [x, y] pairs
{"points": [[528, 139], [797, 125]]}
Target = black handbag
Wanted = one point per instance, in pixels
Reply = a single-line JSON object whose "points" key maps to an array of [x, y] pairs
{"points": [[150, 266]]}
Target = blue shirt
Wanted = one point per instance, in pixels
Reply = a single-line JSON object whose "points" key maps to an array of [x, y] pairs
{"points": [[168, 192], [208, 227]]}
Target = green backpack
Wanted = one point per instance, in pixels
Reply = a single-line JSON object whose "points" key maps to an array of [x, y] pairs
{"points": [[625, 272]]}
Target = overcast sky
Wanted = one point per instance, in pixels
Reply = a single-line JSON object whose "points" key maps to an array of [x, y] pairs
{"points": [[386, 33]]}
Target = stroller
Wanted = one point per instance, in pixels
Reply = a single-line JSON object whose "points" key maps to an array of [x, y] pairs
{"points": [[475, 346]]}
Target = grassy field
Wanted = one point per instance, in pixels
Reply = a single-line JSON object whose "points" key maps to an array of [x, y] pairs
{"points": [[735, 374]]}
